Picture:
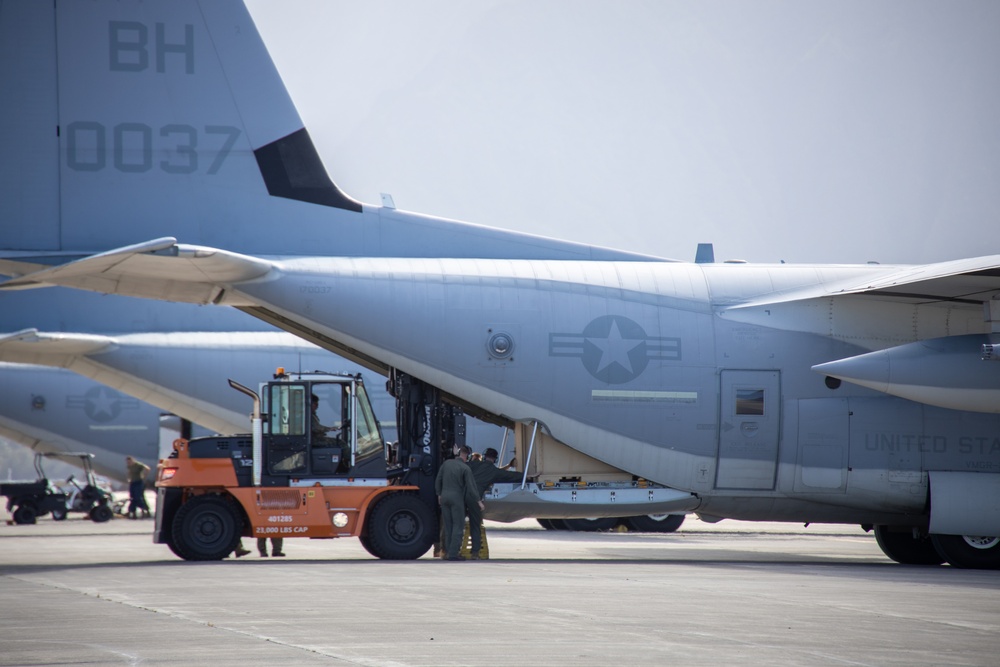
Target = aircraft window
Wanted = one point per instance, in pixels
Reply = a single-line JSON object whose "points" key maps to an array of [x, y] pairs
{"points": [[369, 438], [287, 410], [750, 401]]}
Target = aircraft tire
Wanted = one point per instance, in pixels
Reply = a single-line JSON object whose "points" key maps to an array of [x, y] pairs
{"points": [[591, 525], [400, 527], [205, 528], [101, 513], [900, 545], [25, 515], [655, 523], [551, 524], [970, 552]]}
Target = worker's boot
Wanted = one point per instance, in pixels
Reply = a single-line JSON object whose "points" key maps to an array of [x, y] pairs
{"points": [[131, 514]]}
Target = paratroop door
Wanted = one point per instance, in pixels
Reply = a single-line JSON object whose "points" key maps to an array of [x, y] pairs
{"points": [[750, 414]]}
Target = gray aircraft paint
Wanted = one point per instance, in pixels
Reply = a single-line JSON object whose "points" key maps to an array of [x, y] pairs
{"points": [[151, 122], [659, 416], [137, 119], [626, 361], [52, 409]]}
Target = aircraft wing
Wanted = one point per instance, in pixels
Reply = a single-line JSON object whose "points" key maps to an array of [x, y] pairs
{"points": [[969, 281], [158, 269]]}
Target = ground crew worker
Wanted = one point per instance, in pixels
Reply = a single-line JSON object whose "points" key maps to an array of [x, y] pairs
{"points": [[276, 543], [456, 491], [485, 472], [136, 472]]}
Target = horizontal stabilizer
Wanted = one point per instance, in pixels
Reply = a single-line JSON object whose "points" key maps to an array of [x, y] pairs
{"points": [[29, 346], [158, 269]]}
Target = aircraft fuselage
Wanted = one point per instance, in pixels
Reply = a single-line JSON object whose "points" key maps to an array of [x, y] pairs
{"points": [[647, 367]]}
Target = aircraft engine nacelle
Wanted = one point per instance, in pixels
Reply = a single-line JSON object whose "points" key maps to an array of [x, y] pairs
{"points": [[951, 372]]}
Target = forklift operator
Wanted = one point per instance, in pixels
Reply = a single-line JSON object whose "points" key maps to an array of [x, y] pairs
{"points": [[319, 431], [320, 434]]}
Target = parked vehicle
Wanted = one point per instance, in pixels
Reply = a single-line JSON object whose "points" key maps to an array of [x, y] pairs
{"points": [[27, 501]]}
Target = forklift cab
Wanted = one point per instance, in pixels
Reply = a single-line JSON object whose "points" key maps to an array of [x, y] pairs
{"points": [[317, 426]]}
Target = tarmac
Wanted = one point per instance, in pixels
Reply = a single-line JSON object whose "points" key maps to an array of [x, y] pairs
{"points": [[734, 593]]}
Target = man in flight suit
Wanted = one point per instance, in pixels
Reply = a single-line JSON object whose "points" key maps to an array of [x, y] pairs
{"points": [[456, 491], [485, 473]]}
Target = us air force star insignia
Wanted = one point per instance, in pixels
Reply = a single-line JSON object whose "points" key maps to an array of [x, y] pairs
{"points": [[102, 404], [614, 349]]}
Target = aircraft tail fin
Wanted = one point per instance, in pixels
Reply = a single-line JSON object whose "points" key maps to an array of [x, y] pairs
{"points": [[134, 117], [138, 119]]}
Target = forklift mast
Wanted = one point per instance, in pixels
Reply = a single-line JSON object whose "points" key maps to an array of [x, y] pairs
{"points": [[429, 428]]}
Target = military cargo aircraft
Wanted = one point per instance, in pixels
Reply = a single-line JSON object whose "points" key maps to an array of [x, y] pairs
{"points": [[845, 394], [133, 119], [833, 393]]}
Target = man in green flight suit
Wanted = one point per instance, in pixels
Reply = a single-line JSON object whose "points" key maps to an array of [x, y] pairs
{"points": [[485, 473], [456, 490]]}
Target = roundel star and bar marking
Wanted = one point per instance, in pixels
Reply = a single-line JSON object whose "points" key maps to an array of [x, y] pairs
{"points": [[102, 404], [614, 349]]}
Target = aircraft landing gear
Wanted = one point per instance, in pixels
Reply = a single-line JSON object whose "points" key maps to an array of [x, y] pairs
{"points": [[969, 551], [901, 545]]}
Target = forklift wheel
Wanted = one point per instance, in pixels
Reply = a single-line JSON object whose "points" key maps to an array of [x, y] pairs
{"points": [[206, 528], [400, 527]]}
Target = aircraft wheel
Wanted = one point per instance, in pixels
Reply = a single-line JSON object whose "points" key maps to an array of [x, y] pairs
{"points": [[551, 524], [655, 523], [900, 545], [101, 513], [205, 528], [591, 525], [400, 527], [25, 515], [972, 552]]}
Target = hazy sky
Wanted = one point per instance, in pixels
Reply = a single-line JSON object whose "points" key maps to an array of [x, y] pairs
{"points": [[803, 131]]}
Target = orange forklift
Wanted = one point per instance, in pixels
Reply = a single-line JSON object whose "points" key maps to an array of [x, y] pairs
{"points": [[316, 465]]}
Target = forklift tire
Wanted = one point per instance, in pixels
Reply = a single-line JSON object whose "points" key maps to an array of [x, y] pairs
{"points": [[24, 515], [101, 513], [400, 527], [205, 528], [173, 548]]}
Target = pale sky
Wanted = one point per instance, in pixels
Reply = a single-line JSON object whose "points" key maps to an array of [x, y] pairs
{"points": [[801, 131]]}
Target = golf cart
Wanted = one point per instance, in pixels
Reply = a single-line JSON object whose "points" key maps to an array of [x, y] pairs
{"points": [[29, 500]]}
